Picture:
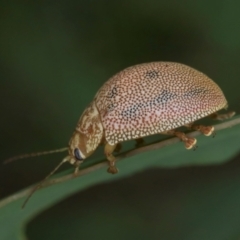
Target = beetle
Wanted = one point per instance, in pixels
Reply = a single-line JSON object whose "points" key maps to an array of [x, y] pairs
{"points": [[142, 100]]}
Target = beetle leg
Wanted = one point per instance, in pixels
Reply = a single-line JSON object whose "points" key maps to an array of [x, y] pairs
{"points": [[209, 130], [206, 130], [189, 142], [139, 142], [220, 117], [109, 149], [117, 148]]}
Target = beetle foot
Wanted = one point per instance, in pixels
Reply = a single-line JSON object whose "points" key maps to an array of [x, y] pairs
{"points": [[221, 117], [190, 143], [206, 130]]}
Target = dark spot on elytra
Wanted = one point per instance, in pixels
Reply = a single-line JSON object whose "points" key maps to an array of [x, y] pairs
{"points": [[164, 97], [138, 109], [152, 74], [195, 92], [132, 112], [112, 93], [111, 107]]}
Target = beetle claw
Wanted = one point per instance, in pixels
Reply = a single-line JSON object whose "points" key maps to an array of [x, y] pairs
{"points": [[195, 147], [112, 170], [213, 134]]}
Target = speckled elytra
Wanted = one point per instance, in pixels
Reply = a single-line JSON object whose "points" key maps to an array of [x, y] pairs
{"points": [[142, 100]]}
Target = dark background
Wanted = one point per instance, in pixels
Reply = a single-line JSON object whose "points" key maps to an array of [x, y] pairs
{"points": [[54, 56]]}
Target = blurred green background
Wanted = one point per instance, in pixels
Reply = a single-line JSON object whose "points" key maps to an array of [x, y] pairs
{"points": [[54, 56]]}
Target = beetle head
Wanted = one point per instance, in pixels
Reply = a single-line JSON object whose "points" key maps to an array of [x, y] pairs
{"points": [[77, 148], [87, 136]]}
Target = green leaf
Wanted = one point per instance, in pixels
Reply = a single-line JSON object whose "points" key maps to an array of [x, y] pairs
{"points": [[211, 151]]}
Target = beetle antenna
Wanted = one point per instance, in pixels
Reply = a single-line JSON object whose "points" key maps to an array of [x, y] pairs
{"points": [[66, 159], [36, 154]]}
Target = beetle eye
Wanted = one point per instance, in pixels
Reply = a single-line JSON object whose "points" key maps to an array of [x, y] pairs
{"points": [[77, 154]]}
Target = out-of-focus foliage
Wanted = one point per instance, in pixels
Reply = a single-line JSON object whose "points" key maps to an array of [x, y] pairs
{"points": [[167, 202], [54, 56]]}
